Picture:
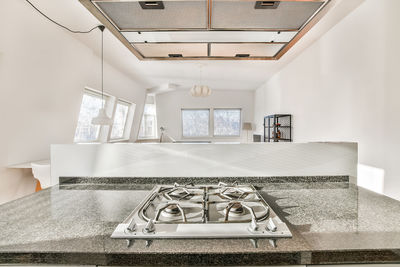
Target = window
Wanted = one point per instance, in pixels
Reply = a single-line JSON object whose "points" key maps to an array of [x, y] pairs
{"points": [[121, 112], [195, 122], [227, 122], [85, 131], [120, 118], [148, 124]]}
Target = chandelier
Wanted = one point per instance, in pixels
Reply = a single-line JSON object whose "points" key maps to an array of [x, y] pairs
{"points": [[200, 90]]}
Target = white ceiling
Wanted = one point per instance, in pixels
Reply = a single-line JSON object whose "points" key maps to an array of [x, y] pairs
{"points": [[219, 75]]}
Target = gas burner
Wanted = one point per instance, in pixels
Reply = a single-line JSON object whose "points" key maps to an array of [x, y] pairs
{"points": [[171, 211], [233, 191], [235, 210], [178, 192]]}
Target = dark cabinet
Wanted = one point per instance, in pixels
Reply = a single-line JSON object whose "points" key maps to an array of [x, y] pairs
{"points": [[278, 128]]}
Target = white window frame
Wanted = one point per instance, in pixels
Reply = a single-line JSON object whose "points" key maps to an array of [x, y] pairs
{"points": [[209, 124], [107, 105], [128, 121], [240, 123]]}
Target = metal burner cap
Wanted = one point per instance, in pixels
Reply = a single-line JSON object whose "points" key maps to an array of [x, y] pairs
{"points": [[172, 212], [236, 210], [172, 209]]}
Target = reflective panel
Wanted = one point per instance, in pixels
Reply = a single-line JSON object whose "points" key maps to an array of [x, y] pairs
{"points": [[165, 50], [209, 36], [233, 14], [174, 15], [252, 50]]}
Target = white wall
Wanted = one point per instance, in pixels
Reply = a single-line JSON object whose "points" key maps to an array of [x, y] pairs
{"points": [[203, 160], [346, 87], [169, 107], [43, 71]]}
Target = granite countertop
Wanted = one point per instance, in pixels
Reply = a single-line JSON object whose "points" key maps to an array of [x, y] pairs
{"points": [[331, 222]]}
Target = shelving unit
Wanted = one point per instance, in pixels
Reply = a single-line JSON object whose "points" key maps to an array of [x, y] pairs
{"points": [[278, 128]]}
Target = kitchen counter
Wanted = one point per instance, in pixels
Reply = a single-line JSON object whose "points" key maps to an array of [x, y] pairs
{"points": [[331, 222]]}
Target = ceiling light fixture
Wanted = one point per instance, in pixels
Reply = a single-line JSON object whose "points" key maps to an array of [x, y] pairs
{"points": [[102, 118], [200, 90]]}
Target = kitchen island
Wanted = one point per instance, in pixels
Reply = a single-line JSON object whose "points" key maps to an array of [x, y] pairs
{"points": [[332, 222]]}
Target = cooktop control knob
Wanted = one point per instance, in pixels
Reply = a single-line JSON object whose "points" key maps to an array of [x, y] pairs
{"points": [[271, 225], [150, 227]]}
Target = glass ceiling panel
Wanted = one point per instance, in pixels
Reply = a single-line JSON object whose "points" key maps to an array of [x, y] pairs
{"points": [[234, 14], [209, 36], [127, 15]]}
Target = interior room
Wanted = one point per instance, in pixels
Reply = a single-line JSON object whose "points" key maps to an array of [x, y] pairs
{"points": [[200, 133]]}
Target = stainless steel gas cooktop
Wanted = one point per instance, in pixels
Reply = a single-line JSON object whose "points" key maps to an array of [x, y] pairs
{"points": [[203, 211]]}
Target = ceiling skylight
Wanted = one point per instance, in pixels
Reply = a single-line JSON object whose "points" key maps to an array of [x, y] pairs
{"points": [[208, 29]]}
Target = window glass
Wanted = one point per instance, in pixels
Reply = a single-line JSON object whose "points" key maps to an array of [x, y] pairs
{"points": [[195, 122], [227, 122], [120, 117], [85, 131], [148, 124]]}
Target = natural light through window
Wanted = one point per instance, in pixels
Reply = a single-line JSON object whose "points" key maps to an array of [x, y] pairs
{"points": [[195, 122], [85, 131], [227, 122], [148, 124], [120, 117]]}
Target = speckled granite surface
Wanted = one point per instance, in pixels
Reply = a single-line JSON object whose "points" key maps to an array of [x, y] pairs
{"points": [[205, 180], [331, 222]]}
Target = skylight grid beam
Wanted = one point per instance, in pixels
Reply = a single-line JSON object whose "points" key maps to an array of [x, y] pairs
{"points": [[201, 30], [272, 43], [209, 13]]}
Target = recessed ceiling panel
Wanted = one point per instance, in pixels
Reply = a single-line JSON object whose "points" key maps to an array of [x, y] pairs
{"points": [[209, 36], [157, 15], [234, 14], [245, 50], [172, 50]]}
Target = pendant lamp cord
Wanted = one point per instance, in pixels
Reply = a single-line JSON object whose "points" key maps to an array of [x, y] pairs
{"points": [[59, 24], [101, 27], [102, 65], [201, 74]]}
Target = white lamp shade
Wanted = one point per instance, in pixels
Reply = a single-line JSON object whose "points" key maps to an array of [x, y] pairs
{"points": [[200, 90], [102, 118], [193, 90]]}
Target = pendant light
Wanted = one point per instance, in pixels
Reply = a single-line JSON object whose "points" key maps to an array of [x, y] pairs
{"points": [[200, 90], [102, 118]]}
